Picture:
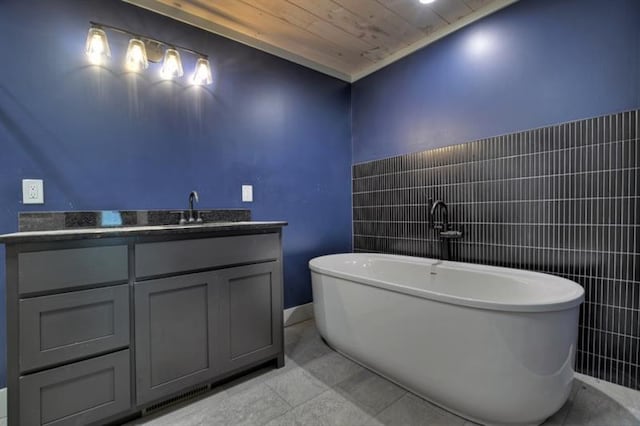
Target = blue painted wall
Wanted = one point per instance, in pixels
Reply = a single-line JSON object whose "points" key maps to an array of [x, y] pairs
{"points": [[535, 63], [105, 139]]}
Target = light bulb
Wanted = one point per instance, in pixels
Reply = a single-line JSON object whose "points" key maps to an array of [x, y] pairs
{"points": [[202, 73], [172, 65], [427, 1], [97, 46], [136, 59]]}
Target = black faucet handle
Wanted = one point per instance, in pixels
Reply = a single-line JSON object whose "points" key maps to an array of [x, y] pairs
{"points": [[451, 234]]}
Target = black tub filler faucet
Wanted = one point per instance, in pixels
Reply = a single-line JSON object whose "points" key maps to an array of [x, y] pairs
{"points": [[445, 233]]}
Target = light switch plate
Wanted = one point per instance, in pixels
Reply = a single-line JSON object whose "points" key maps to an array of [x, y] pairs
{"points": [[247, 193], [32, 191]]}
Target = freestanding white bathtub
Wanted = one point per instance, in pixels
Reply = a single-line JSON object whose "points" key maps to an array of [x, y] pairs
{"points": [[494, 345]]}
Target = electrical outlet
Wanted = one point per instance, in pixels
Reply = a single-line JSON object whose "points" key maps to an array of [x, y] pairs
{"points": [[32, 191], [247, 193]]}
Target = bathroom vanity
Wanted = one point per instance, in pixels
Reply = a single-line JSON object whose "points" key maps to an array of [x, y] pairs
{"points": [[103, 323]]}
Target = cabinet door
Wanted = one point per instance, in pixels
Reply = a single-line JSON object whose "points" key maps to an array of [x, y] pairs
{"points": [[175, 327], [250, 314]]}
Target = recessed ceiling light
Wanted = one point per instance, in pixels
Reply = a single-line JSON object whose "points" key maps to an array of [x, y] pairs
{"points": [[426, 1]]}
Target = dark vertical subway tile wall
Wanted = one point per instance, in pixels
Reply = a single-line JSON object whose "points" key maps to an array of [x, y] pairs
{"points": [[563, 200]]}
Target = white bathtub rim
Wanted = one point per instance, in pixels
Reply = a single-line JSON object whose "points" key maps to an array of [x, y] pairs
{"points": [[450, 299]]}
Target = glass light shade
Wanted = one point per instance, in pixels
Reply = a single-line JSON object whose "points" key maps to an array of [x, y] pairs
{"points": [[202, 74], [97, 46], [136, 59], [172, 65]]}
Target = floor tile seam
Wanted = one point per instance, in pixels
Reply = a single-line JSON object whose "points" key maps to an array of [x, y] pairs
{"points": [[571, 405], [405, 395], [351, 375], [305, 402], [369, 410], [259, 422], [404, 392], [627, 404], [291, 407], [264, 422]]}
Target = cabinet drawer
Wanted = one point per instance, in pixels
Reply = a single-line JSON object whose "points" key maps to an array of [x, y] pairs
{"points": [[43, 271], [190, 255], [77, 394], [68, 326]]}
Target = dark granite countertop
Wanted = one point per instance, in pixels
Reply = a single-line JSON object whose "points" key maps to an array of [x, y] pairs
{"points": [[129, 231], [57, 226]]}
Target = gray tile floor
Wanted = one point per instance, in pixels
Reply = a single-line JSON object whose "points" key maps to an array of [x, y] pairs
{"points": [[318, 386]]}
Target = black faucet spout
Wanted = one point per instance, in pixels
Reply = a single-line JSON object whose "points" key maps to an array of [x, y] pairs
{"points": [[443, 232], [445, 213]]}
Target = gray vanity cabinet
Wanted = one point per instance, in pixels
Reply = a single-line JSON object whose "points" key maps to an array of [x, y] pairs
{"points": [[175, 323], [100, 329]]}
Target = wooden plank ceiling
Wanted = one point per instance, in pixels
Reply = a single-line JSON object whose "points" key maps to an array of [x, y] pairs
{"points": [[347, 39]]}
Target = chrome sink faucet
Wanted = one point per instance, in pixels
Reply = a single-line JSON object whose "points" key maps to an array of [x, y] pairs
{"points": [[193, 196]]}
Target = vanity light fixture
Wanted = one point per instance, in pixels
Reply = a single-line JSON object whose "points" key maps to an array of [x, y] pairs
{"points": [[202, 75], [142, 50], [136, 59], [97, 46], [172, 65]]}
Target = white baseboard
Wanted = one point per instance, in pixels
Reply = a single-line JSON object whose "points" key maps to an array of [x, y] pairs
{"points": [[298, 314], [3, 402]]}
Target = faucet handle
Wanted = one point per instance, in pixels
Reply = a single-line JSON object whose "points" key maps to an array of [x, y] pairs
{"points": [[182, 219], [451, 234]]}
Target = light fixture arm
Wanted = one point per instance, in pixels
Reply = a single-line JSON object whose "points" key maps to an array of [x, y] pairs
{"points": [[147, 38], [143, 49]]}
